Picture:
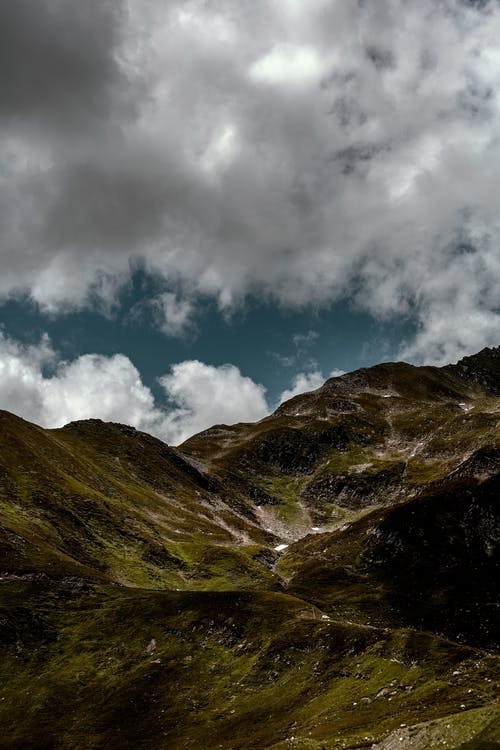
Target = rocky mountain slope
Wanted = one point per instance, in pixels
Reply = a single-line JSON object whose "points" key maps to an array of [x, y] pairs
{"points": [[325, 578]]}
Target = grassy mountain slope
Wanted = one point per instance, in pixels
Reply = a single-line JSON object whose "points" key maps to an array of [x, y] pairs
{"points": [[368, 438], [117, 667], [107, 502], [143, 603]]}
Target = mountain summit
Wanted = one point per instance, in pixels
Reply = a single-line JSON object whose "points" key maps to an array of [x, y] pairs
{"points": [[482, 368], [325, 578]]}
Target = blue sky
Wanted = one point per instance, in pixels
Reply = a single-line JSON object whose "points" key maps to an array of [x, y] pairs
{"points": [[268, 343], [207, 207]]}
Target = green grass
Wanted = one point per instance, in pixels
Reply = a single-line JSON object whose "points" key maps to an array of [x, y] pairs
{"points": [[229, 670], [154, 611]]}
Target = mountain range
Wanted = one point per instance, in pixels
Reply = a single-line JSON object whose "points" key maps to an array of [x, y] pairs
{"points": [[325, 578]]}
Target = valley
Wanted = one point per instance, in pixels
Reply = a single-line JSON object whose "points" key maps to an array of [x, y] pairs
{"points": [[325, 578]]}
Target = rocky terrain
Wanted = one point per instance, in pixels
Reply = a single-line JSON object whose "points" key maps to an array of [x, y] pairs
{"points": [[325, 578]]}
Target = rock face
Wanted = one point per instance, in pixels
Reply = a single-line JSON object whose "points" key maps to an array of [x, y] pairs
{"points": [[375, 436], [482, 368], [327, 577]]}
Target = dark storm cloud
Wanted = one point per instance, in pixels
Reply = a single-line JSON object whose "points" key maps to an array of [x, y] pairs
{"points": [[303, 151], [57, 58], [98, 206]]}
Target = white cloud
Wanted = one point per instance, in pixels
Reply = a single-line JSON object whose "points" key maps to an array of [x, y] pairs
{"points": [[38, 386], [444, 337], [336, 373], [288, 65], [301, 383], [173, 314], [307, 381], [206, 395], [221, 151], [306, 151]]}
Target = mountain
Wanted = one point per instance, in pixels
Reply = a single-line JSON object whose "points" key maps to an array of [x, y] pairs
{"points": [[325, 578]]}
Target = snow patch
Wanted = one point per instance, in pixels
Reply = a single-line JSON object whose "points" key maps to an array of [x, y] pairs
{"points": [[281, 547]]}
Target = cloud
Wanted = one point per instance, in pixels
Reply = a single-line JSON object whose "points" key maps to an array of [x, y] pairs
{"points": [[303, 341], [38, 386], [206, 395], [288, 65], [57, 61], [306, 381], [173, 314], [301, 383], [305, 151]]}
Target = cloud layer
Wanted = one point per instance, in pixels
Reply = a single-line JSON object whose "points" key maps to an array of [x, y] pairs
{"points": [[38, 386], [304, 151]]}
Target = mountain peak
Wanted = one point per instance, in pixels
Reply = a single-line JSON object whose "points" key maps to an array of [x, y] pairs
{"points": [[482, 369], [387, 380], [346, 545]]}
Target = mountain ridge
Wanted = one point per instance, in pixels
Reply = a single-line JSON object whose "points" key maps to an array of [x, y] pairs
{"points": [[330, 572]]}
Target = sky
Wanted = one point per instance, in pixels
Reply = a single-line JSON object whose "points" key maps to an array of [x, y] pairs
{"points": [[207, 207]]}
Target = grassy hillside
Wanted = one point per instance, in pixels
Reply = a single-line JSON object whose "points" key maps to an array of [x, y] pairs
{"points": [[108, 503], [326, 578], [119, 668], [369, 438]]}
